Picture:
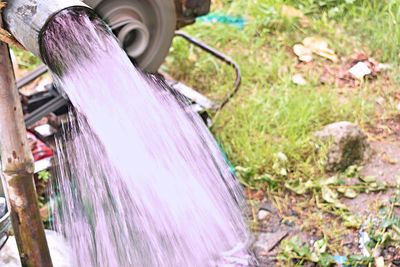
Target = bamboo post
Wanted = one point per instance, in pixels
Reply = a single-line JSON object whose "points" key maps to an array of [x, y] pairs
{"points": [[17, 166]]}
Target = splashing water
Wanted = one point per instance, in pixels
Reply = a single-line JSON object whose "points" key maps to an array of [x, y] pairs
{"points": [[141, 180]]}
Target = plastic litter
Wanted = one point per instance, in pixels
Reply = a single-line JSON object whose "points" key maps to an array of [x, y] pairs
{"points": [[235, 21]]}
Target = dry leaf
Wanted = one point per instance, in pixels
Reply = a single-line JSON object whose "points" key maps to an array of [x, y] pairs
{"points": [[320, 47], [299, 79], [304, 53]]}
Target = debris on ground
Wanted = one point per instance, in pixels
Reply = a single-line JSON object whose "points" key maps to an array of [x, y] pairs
{"points": [[314, 45], [380, 172], [358, 67], [267, 241], [235, 21], [299, 79], [304, 53], [360, 70], [347, 143]]}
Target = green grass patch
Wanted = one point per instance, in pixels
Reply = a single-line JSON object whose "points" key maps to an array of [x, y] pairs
{"points": [[270, 114]]}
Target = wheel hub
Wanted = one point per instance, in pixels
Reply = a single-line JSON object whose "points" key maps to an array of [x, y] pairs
{"points": [[145, 29]]}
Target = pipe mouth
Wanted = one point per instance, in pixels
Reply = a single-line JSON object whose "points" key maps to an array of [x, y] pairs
{"points": [[27, 19], [134, 38], [127, 22]]}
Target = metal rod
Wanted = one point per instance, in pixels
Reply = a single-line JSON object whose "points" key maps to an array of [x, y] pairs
{"points": [[221, 57], [31, 76], [17, 166], [46, 109]]}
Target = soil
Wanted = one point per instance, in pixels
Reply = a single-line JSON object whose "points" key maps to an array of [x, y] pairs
{"points": [[385, 166]]}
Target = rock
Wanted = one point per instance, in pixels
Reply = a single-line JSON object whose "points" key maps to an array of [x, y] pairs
{"points": [[267, 241], [267, 206], [262, 215], [348, 145]]}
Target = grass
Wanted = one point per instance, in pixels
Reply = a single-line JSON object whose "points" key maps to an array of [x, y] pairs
{"points": [[267, 129], [271, 114]]}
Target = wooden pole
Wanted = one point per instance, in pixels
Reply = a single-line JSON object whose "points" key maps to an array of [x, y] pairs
{"points": [[17, 166]]}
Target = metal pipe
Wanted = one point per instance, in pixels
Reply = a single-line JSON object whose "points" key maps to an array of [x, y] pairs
{"points": [[26, 19]]}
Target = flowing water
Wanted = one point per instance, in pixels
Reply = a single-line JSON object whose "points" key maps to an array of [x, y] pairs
{"points": [[141, 181]]}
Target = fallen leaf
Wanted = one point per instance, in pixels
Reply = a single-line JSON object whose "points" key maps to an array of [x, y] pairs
{"points": [[329, 195], [341, 189], [304, 53], [368, 179], [352, 221], [350, 193], [331, 180], [299, 79], [296, 187], [320, 47]]}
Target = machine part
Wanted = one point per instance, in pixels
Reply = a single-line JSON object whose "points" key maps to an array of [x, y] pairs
{"points": [[25, 19], [221, 57], [31, 76], [188, 10], [145, 29], [51, 106], [192, 94]]}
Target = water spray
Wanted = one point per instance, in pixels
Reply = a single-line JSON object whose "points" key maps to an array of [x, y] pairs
{"points": [[26, 20]]}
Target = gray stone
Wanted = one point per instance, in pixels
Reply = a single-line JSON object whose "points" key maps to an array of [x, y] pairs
{"points": [[262, 215], [265, 242], [348, 145]]}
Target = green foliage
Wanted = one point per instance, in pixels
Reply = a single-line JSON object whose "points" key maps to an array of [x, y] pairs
{"points": [[26, 60], [44, 175], [295, 252]]}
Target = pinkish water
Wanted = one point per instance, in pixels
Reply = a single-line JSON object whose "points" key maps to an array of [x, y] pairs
{"points": [[141, 181]]}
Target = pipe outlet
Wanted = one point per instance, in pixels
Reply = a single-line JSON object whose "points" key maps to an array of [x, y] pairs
{"points": [[26, 19]]}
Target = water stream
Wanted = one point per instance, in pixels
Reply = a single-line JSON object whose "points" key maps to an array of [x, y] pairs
{"points": [[141, 181]]}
